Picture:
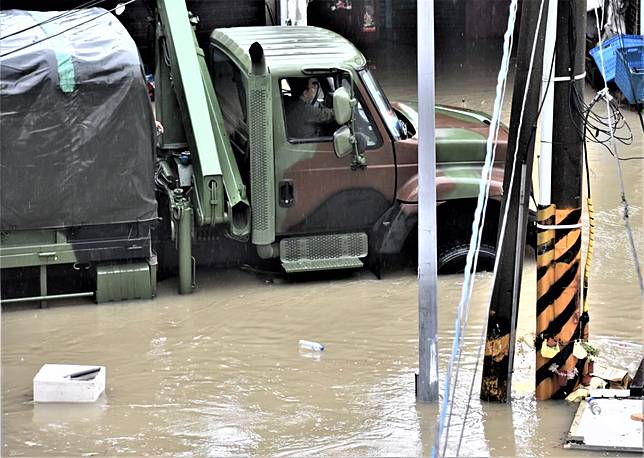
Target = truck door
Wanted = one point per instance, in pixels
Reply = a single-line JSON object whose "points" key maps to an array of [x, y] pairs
{"points": [[316, 191]]}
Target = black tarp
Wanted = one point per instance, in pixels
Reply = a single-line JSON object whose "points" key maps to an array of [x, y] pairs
{"points": [[76, 126], [138, 17]]}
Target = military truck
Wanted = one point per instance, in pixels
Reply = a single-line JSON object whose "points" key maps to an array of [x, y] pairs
{"points": [[236, 179], [76, 159], [326, 200]]}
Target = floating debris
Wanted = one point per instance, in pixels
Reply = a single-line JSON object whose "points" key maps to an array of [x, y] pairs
{"points": [[309, 345]]}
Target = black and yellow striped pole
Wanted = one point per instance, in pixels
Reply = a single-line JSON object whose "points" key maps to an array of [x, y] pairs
{"points": [[545, 281], [559, 224]]}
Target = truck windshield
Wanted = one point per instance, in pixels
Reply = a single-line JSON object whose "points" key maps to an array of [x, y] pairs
{"points": [[383, 105]]}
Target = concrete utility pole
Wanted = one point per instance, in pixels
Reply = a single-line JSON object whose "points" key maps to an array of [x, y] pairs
{"points": [[559, 318], [504, 306], [427, 385]]}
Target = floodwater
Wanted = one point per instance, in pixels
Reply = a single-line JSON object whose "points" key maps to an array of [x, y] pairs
{"points": [[219, 372]]}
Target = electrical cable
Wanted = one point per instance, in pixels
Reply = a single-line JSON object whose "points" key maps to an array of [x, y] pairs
{"points": [[590, 247], [13, 51], [621, 38], [532, 134], [504, 220], [474, 268], [600, 126], [629, 231], [477, 226], [88, 4]]}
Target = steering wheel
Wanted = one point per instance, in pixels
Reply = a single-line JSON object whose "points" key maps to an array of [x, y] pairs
{"points": [[314, 100]]}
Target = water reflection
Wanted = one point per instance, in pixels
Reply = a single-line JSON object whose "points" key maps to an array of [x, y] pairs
{"points": [[220, 373]]}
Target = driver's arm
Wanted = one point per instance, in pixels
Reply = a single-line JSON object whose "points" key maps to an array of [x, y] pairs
{"points": [[322, 115]]}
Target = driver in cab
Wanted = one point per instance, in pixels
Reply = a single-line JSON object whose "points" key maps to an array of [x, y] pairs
{"points": [[305, 118]]}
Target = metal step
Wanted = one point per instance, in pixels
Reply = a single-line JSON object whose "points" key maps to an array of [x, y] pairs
{"points": [[323, 252]]}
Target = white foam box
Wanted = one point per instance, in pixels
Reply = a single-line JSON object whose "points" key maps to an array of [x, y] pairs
{"points": [[53, 383]]}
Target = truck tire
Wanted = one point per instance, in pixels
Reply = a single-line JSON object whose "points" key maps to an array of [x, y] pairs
{"points": [[452, 257]]}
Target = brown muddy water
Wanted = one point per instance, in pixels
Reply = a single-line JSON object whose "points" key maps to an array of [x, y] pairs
{"points": [[219, 373]]}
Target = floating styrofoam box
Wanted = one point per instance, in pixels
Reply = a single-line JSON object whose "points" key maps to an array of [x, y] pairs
{"points": [[611, 429], [69, 383]]}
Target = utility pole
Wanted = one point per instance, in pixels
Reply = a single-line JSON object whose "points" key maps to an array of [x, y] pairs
{"points": [[427, 382], [501, 331], [559, 318]]}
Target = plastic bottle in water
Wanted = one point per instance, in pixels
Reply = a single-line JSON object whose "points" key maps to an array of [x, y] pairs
{"points": [[594, 406], [308, 345]]}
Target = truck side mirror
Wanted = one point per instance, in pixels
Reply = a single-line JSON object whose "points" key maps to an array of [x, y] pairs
{"points": [[342, 106], [342, 140]]}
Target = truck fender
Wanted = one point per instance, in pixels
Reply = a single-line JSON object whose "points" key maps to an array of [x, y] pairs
{"points": [[389, 233], [451, 187]]}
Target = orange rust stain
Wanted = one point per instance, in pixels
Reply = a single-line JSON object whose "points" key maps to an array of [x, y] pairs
{"points": [[491, 390], [499, 348]]}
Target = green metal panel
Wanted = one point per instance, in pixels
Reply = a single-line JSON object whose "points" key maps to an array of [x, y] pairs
{"points": [[117, 282], [290, 49], [167, 107], [262, 167], [48, 247], [234, 186], [35, 248], [188, 82]]}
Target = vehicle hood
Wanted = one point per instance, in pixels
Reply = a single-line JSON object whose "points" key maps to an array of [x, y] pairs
{"points": [[461, 134]]}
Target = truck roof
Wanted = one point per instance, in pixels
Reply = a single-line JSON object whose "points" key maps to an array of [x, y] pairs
{"points": [[289, 47]]}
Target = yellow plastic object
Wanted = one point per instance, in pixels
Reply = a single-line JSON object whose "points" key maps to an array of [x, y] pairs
{"points": [[578, 395], [547, 351]]}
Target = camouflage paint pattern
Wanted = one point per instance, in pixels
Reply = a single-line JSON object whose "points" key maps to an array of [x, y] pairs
{"points": [[328, 196]]}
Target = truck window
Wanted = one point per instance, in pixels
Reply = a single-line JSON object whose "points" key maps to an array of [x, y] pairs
{"points": [[231, 93], [309, 114]]}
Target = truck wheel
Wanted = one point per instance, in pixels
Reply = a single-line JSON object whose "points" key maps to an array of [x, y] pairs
{"points": [[452, 258]]}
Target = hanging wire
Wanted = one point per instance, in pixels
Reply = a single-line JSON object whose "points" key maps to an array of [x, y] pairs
{"points": [[590, 247], [13, 51], [88, 4], [621, 33], [458, 365], [504, 221], [629, 231], [477, 228]]}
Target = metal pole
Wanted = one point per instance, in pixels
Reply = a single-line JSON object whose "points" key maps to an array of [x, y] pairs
{"points": [[496, 383], [184, 236], [427, 386], [50, 297], [548, 94], [43, 285]]}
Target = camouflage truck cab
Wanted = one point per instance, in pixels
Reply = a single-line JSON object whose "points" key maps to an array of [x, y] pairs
{"points": [[313, 206]]}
